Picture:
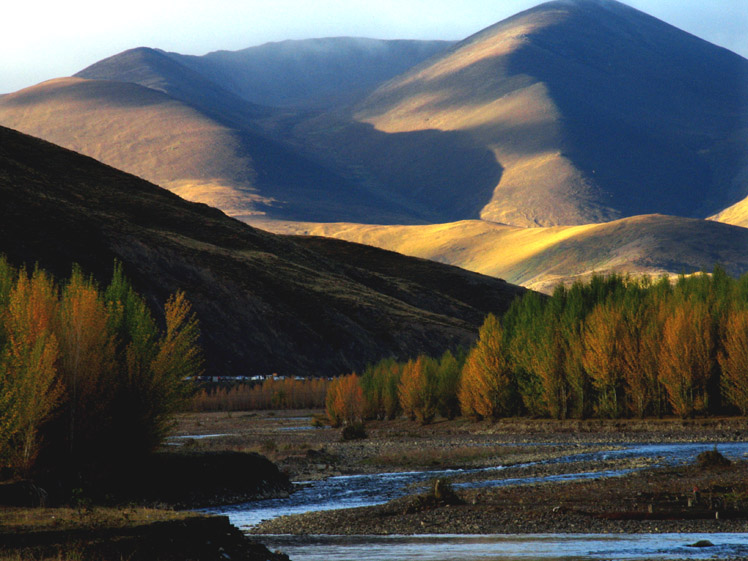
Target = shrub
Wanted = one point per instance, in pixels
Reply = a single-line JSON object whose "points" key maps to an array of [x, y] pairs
{"points": [[355, 431]]}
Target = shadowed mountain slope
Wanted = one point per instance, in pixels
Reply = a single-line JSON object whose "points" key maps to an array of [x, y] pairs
{"points": [[591, 111], [192, 152], [265, 302], [310, 73], [539, 258]]}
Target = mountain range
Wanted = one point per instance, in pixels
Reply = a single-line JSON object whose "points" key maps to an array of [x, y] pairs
{"points": [[579, 136]]}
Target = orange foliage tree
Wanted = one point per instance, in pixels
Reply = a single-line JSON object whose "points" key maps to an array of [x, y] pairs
{"points": [[734, 360], [686, 357], [345, 401]]}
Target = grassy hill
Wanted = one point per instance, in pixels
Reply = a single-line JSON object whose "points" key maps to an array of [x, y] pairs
{"points": [[539, 258], [266, 303]]}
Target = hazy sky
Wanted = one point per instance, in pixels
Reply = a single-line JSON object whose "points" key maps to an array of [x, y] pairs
{"points": [[43, 39]]}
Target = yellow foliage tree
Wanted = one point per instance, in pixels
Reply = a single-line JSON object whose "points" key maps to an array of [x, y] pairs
{"points": [[486, 386], [87, 360], [417, 389], [29, 390], [603, 357]]}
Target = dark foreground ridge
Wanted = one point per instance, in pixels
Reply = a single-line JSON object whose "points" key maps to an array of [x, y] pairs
{"points": [[266, 303]]}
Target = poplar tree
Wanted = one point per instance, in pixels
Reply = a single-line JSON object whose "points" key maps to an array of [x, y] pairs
{"points": [[734, 360], [486, 387]]}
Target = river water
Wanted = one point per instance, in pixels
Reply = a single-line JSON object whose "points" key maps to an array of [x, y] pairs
{"points": [[365, 490]]}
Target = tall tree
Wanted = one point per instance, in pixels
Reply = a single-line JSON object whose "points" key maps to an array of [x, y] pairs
{"points": [[686, 358], [486, 387], [734, 360]]}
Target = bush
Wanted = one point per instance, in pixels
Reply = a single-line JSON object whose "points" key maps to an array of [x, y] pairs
{"points": [[355, 431]]}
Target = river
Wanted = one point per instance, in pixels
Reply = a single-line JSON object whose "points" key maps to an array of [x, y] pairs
{"points": [[365, 490]]}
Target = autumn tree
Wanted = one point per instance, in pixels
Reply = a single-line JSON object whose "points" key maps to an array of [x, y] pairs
{"points": [[603, 357], [734, 360], [29, 388], [87, 364], [417, 389], [486, 387], [686, 357], [344, 403]]}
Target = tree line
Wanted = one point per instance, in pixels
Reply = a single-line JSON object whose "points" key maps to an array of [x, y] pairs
{"points": [[87, 376], [613, 347], [285, 393]]}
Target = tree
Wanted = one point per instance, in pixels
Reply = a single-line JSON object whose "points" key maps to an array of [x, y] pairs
{"points": [[29, 388], [417, 389], [486, 386], [344, 402], [87, 363], [603, 357], [448, 385], [734, 360], [686, 357]]}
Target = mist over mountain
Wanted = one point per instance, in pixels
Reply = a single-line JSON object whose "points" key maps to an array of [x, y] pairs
{"points": [[311, 73]]}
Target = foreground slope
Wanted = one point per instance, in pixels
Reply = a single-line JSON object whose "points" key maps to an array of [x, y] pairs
{"points": [[540, 258], [192, 148], [266, 303], [589, 110]]}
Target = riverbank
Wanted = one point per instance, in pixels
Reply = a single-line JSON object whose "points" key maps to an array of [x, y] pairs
{"points": [[135, 534], [641, 498], [659, 500], [305, 452]]}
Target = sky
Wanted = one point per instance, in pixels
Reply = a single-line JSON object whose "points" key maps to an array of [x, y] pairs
{"points": [[44, 39]]}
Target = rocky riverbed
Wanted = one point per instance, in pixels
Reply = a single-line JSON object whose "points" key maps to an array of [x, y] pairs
{"points": [[639, 498]]}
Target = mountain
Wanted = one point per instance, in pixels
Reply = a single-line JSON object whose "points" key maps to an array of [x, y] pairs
{"points": [[181, 145], [540, 258], [581, 119], [573, 112], [266, 303]]}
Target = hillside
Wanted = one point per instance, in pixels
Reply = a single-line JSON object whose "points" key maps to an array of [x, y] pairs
{"points": [[266, 303], [539, 258], [190, 151], [736, 214], [573, 112]]}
